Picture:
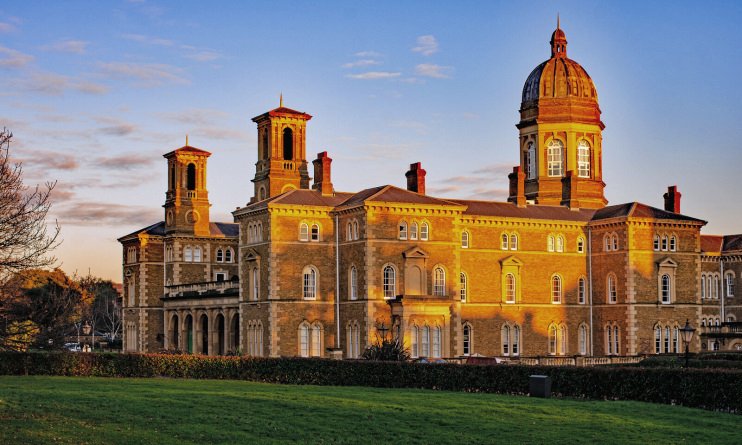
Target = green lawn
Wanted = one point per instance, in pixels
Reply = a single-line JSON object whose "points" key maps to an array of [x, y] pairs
{"points": [[47, 410]]}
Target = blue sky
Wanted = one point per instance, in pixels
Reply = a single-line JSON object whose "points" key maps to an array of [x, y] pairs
{"points": [[96, 92]]}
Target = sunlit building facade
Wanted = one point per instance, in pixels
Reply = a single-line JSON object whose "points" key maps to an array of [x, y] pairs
{"points": [[307, 270]]}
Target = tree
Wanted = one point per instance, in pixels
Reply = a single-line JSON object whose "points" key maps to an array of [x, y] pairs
{"points": [[24, 240], [105, 309]]}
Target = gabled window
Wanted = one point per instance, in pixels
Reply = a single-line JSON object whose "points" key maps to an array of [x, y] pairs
{"points": [[556, 289], [439, 283], [219, 256], [403, 230], [303, 232], [310, 283], [463, 287], [424, 232], [413, 231], [513, 242], [583, 159], [315, 232], [505, 241], [390, 283], [581, 291], [555, 158], [665, 288], [510, 288], [464, 240], [673, 243]]}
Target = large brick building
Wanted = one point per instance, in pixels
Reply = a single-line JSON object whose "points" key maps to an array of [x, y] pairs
{"points": [[317, 272]]}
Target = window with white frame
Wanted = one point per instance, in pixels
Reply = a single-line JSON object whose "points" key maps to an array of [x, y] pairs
{"points": [[439, 282], [424, 231], [413, 231], [658, 340], [656, 243], [607, 244], [467, 339], [310, 283], [169, 254], [355, 230], [560, 244], [709, 294], [506, 340], [556, 289], [553, 334], [513, 241], [219, 256], [350, 232], [403, 230], [425, 341], [673, 243], [303, 232], [255, 283], [666, 288], [580, 245], [555, 158], [609, 340], [188, 255], [353, 283], [197, 255], [730, 284], [664, 242], [131, 292], [614, 238], [531, 161], [304, 340], [464, 240], [612, 294], [581, 291], [515, 344], [463, 287], [228, 256], [583, 159], [131, 255], [583, 340], [563, 340], [550, 243], [315, 232], [716, 286], [390, 282], [505, 241], [437, 341], [703, 287], [667, 338], [414, 341], [510, 288], [220, 276], [316, 341], [615, 340]]}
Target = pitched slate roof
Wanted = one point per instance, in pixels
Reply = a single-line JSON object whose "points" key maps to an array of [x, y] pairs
{"points": [[301, 197], [510, 210], [226, 229], [392, 194], [732, 243], [639, 210], [157, 229], [279, 111], [711, 243]]}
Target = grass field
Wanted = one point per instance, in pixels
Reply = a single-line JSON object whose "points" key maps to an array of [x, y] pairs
{"points": [[48, 410]]}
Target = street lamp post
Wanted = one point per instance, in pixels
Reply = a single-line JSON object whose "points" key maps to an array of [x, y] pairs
{"points": [[86, 330], [383, 330], [687, 334]]}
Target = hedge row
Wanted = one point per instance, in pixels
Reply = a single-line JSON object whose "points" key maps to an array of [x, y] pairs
{"points": [[714, 389]]}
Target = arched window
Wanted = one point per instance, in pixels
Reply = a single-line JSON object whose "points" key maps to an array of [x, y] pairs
{"points": [[612, 295], [615, 241], [658, 340], [607, 240], [550, 244], [288, 144], [730, 284], [262, 193], [228, 255], [197, 255], [675, 340], [552, 340], [255, 283], [426, 341], [414, 341], [304, 340], [673, 243], [615, 340], [583, 340], [265, 144], [191, 177], [464, 240], [303, 232], [350, 232], [555, 158], [609, 340], [716, 286], [315, 232], [583, 159], [316, 341], [439, 282], [506, 340], [467, 339], [556, 289], [580, 245], [402, 230], [513, 242], [310, 283], [424, 232], [656, 243], [510, 288], [505, 241], [355, 230], [560, 244], [390, 284], [188, 256], [437, 341], [219, 256], [463, 287], [581, 291], [708, 287], [664, 242], [516, 340], [563, 340], [665, 288], [353, 283], [667, 338], [531, 161], [703, 287]]}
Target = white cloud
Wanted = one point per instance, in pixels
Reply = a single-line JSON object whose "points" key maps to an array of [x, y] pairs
{"points": [[56, 84], [427, 45], [146, 39], [363, 62], [6, 28], [149, 74], [436, 71], [368, 54], [205, 56], [373, 75], [69, 46], [10, 58], [415, 126]]}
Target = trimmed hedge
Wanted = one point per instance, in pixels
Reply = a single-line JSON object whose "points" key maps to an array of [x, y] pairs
{"points": [[713, 389]]}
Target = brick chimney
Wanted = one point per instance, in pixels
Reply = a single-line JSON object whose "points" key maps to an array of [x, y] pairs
{"points": [[517, 187], [322, 181], [672, 199], [416, 179]]}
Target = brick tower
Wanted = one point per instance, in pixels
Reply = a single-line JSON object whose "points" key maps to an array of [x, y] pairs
{"points": [[187, 199], [561, 133], [282, 163]]}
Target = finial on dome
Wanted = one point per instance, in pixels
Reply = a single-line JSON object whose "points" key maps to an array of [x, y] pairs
{"points": [[186, 140], [281, 103], [557, 20]]}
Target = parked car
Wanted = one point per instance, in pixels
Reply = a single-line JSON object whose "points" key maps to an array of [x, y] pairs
{"points": [[75, 347], [429, 360]]}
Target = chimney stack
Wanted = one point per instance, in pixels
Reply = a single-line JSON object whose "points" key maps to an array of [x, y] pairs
{"points": [[416, 179], [322, 181], [672, 199], [517, 187]]}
